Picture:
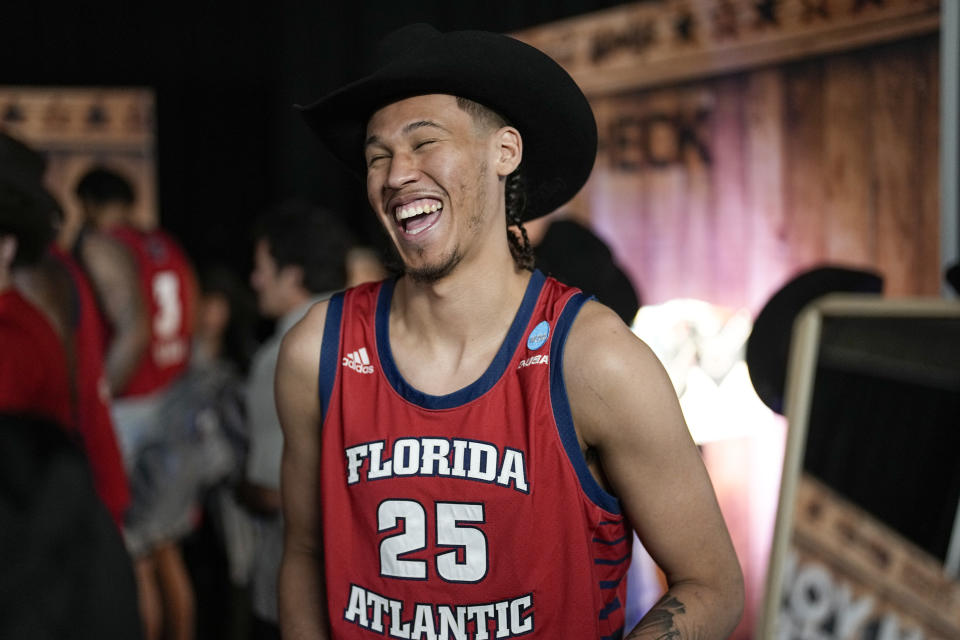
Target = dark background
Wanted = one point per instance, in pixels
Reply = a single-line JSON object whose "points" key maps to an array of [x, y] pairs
{"points": [[225, 76]]}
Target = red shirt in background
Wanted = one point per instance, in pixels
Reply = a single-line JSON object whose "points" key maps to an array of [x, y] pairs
{"points": [[168, 285], [33, 363]]}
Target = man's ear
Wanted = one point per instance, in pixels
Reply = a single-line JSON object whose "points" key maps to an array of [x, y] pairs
{"points": [[509, 150]]}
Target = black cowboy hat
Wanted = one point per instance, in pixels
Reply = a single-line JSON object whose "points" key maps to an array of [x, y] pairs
{"points": [[953, 277], [519, 82], [768, 347], [26, 207]]}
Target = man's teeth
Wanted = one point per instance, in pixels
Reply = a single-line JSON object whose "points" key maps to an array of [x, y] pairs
{"points": [[417, 209]]}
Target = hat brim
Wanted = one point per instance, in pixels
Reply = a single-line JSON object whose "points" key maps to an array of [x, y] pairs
{"points": [[518, 81], [768, 346], [953, 277]]}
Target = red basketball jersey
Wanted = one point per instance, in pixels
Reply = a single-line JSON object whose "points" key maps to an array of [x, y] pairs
{"points": [[466, 516], [167, 282], [93, 394]]}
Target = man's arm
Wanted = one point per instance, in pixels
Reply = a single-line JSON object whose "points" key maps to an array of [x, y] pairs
{"points": [[302, 594], [113, 274], [625, 409]]}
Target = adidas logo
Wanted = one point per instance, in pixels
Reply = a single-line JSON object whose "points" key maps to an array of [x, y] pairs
{"points": [[359, 361]]}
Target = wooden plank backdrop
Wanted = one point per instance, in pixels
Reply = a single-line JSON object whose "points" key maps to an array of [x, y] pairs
{"points": [[650, 43], [723, 189]]}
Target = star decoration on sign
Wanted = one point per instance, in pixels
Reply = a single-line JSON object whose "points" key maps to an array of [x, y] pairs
{"points": [[13, 113], [683, 26], [97, 116], [766, 13]]}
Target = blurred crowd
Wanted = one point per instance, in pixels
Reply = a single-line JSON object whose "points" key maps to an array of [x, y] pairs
{"points": [[139, 493]]}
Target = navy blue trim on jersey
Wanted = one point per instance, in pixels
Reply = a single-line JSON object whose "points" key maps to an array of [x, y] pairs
{"points": [[616, 635], [330, 351], [611, 542], [611, 584], [479, 386], [613, 562], [610, 608], [561, 409]]}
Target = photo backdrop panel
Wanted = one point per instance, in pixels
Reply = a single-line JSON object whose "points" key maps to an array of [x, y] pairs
{"points": [[78, 128]]}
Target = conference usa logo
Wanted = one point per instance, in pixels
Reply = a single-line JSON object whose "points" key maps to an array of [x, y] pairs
{"points": [[359, 361]]}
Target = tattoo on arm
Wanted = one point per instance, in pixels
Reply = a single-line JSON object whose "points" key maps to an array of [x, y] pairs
{"points": [[658, 624]]}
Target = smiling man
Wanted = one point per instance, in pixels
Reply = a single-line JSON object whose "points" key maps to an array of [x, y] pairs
{"points": [[481, 440]]}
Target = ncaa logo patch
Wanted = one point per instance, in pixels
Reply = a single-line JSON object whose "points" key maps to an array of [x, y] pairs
{"points": [[538, 337]]}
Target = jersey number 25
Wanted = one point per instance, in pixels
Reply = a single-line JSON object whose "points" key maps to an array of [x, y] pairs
{"points": [[470, 541]]}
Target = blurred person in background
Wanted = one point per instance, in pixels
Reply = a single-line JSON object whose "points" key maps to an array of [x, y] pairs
{"points": [[88, 329], [226, 320], [112, 271], [219, 553], [66, 573], [148, 292], [59, 287], [34, 377], [300, 258]]}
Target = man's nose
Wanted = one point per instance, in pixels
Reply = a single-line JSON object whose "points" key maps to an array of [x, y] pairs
{"points": [[403, 170]]}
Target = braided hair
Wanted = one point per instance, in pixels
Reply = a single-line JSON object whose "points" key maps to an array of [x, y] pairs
{"points": [[515, 187], [516, 200]]}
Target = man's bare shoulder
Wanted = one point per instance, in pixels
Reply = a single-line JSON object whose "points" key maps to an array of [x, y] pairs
{"points": [[612, 377], [300, 348], [308, 331], [599, 342]]}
